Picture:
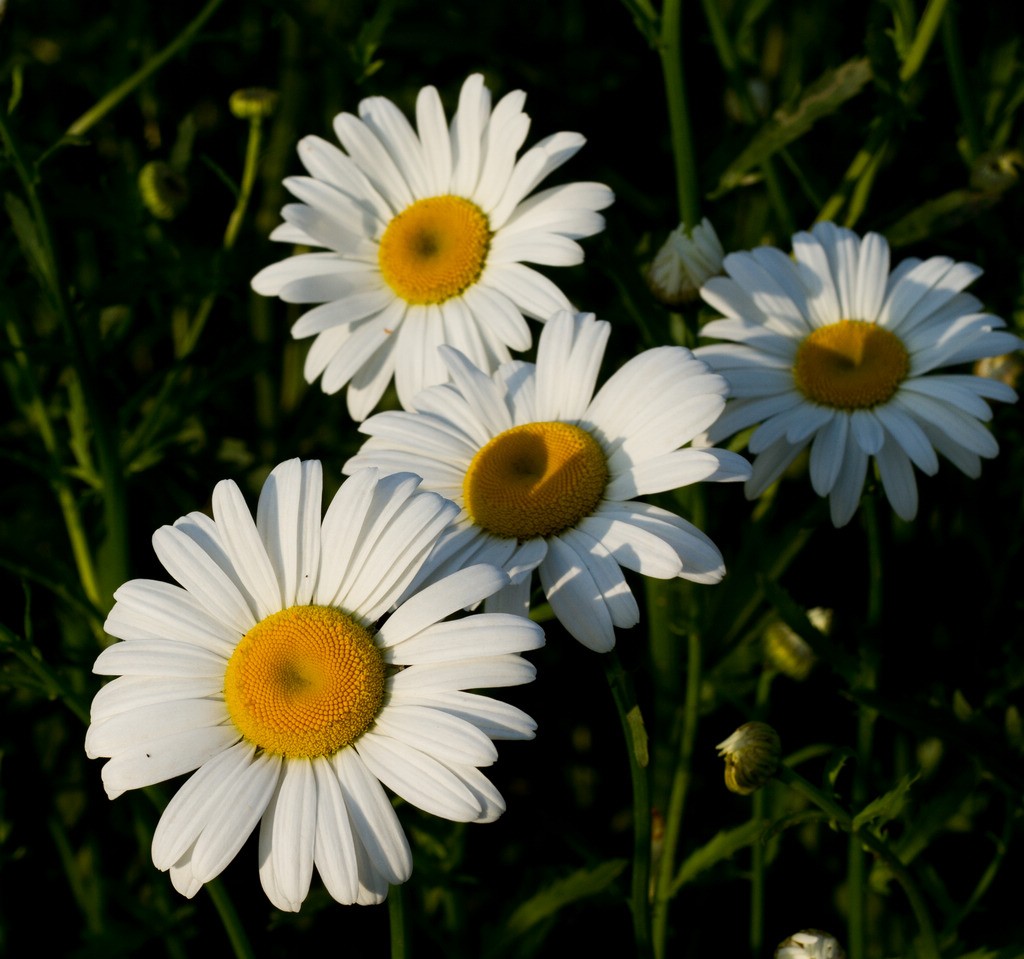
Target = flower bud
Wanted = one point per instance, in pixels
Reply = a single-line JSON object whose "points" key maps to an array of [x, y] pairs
{"points": [[790, 653], [751, 757], [253, 103], [163, 189], [997, 171], [686, 259], [810, 944]]}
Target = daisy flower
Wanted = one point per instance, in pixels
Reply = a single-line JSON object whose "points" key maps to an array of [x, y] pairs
{"points": [[426, 234], [545, 472], [832, 350], [267, 672]]}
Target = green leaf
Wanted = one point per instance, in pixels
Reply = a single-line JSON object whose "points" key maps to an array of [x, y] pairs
{"points": [[886, 807], [638, 734], [28, 238], [722, 846], [939, 215], [581, 884], [822, 98]]}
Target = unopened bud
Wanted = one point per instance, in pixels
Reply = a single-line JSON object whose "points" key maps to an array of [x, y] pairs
{"points": [[789, 652], [686, 259], [163, 189], [751, 757], [810, 944], [253, 103], [996, 172]]}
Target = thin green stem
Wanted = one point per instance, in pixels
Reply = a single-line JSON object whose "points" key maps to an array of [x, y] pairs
{"points": [[397, 923], [926, 29], [252, 156], [677, 798], [105, 104], [36, 414], [757, 851], [730, 62], [29, 656], [864, 836], [962, 92], [240, 944], [636, 748], [859, 167], [115, 518], [670, 50], [929, 945]]}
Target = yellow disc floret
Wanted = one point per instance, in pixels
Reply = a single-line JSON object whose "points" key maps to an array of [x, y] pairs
{"points": [[435, 249], [535, 480], [850, 365], [304, 682]]}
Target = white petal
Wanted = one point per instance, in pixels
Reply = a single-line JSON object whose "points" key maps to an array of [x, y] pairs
{"points": [[200, 574], [373, 818], [898, 479], [437, 734], [481, 673], [417, 778], [827, 454], [287, 835], [242, 543], [149, 609], [575, 597], [288, 521], [334, 851], [495, 719], [459, 590], [108, 737], [160, 759], [482, 634]]}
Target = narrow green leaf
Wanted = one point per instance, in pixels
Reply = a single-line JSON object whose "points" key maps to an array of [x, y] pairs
{"points": [[939, 215], [581, 884], [28, 238], [885, 807], [722, 846], [822, 98], [639, 735]]}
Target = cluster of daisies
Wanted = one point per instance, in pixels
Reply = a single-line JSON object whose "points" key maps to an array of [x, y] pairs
{"points": [[306, 659]]}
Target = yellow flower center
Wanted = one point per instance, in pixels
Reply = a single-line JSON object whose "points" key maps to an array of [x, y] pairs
{"points": [[535, 480], [850, 365], [435, 249], [304, 682]]}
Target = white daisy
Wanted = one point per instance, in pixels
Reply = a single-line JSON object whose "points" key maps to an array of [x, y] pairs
{"points": [[427, 233], [545, 472], [265, 672], [831, 349]]}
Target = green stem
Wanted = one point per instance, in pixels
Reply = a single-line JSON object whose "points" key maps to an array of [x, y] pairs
{"points": [[252, 156], [860, 166], [29, 656], [636, 747], [757, 851], [730, 62], [864, 836], [670, 50], [36, 414], [116, 545], [926, 29], [677, 798], [397, 923], [229, 920], [961, 88], [107, 103]]}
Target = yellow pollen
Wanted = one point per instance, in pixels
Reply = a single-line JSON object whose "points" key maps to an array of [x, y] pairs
{"points": [[304, 682], [535, 480], [435, 249], [850, 365]]}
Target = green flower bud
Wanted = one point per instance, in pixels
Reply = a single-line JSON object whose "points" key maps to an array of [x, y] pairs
{"points": [[253, 103], [751, 757], [164, 191]]}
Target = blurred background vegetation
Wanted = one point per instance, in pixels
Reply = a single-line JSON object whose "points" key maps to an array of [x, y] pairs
{"points": [[140, 369]]}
